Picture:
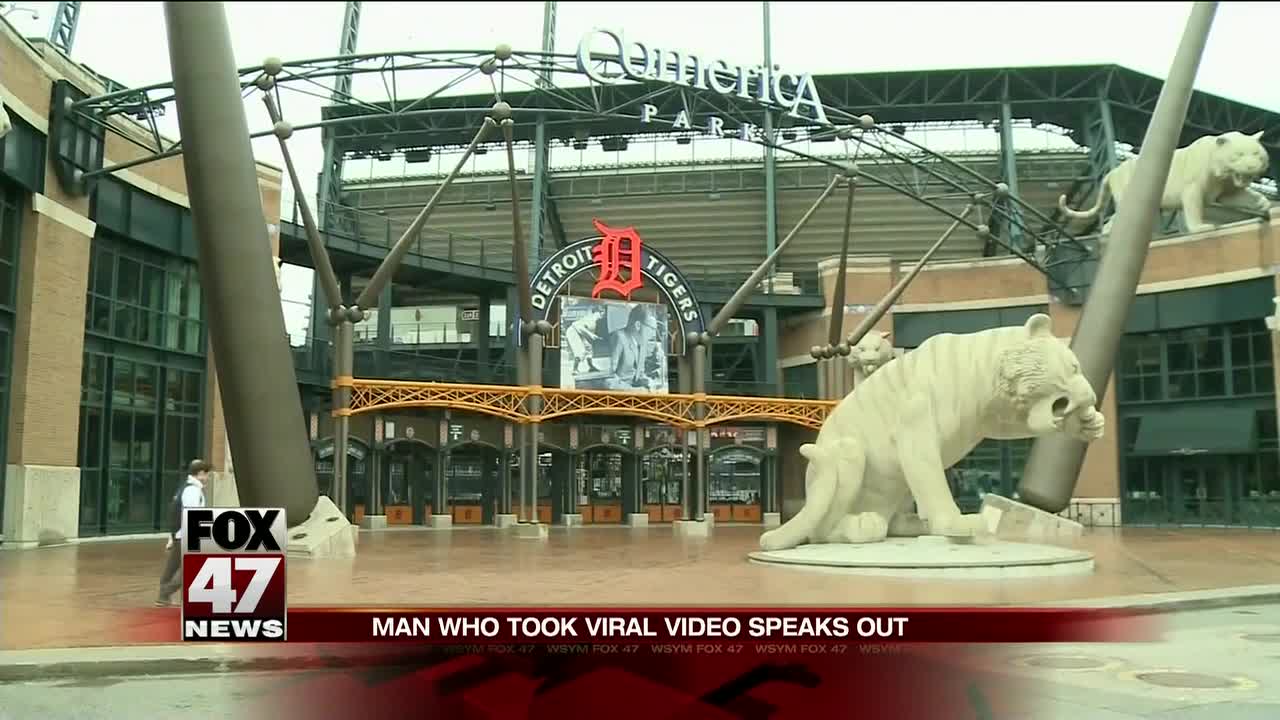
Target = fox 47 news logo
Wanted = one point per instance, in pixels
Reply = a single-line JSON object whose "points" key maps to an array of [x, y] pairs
{"points": [[233, 574]]}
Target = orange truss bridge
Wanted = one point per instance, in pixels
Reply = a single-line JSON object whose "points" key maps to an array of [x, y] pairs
{"points": [[512, 402]]}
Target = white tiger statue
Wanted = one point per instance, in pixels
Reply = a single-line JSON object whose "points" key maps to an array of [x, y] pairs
{"points": [[870, 354], [1216, 169], [892, 439]]}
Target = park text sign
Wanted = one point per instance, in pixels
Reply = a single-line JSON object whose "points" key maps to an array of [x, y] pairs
{"points": [[796, 94]]}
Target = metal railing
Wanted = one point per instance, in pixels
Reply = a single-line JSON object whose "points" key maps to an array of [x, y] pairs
{"points": [[428, 333]]}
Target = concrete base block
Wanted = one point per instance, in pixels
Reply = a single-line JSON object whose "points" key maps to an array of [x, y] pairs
{"points": [[638, 519], [692, 528], [1012, 519], [532, 531], [771, 520], [222, 491], [504, 520], [325, 534], [709, 519], [440, 522], [374, 522], [41, 505], [571, 520]]}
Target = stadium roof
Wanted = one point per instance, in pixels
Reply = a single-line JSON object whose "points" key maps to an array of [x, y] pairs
{"points": [[1057, 95]]}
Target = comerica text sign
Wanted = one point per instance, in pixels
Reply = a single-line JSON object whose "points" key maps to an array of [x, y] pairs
{"points": [[796, 94]]}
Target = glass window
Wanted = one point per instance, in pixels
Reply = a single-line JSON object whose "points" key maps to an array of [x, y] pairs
{"points": [[148, 427]]}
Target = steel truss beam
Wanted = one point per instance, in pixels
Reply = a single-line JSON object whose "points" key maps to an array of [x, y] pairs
{"points": [[330, 188], [439, 121], [511, 402], [65, 21]]}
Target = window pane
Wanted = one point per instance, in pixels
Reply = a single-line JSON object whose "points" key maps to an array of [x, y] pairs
{"points": [[144, 441], [173, 443], [1267, 425], [121, 438], [1261, 348], [1212, 384], [153, 288], [1209, 354], [172, 389], [144, 385], [191, 343], [129, 278], [104, 269], [100, 315], [1151, 389], [191, 439], [1240, 351], [172, 336], [1263, 379], [1179, 357], [126, 324], [1131, 389], [1181, 385], [191, 382], [1242, 382], [122, 385], [90, 437]]}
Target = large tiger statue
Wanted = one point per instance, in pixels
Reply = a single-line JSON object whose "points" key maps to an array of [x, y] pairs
{"points": [[1216, 169], [870, 354], [891, 440]]}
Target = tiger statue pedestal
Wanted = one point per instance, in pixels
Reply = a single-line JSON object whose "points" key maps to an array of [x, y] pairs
{"points": [[878, 467]]}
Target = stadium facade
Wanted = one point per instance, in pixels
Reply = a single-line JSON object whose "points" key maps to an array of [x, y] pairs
{"points": [[109, 390]]}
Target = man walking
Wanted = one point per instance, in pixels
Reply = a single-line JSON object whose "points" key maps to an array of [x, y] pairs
{"points": [[191, 494]]}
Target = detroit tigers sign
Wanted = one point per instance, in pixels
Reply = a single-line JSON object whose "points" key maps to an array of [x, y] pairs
{"points": [[622, 263]]}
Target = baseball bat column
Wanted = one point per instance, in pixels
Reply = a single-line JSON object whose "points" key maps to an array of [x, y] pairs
{"points": [[896, 291], [535, 334], [1056, 460], [831, 357], [338, 317], [739, 297], [246, 323]]}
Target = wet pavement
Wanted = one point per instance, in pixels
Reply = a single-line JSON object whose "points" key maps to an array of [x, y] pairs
{"points": [[81, 595]]}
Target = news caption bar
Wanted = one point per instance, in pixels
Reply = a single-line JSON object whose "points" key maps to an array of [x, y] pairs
{"points": [[233, 569]]}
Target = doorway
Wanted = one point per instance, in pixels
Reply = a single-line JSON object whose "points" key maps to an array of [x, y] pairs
{"points": [[408, 486], [736, 484], [357, 476], [663, 472], [472, 487], [599, 484], [551, 463], [1201, 487]]}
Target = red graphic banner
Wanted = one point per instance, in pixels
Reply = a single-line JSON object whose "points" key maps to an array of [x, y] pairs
{"points": [[717, 627], [911, 682]]}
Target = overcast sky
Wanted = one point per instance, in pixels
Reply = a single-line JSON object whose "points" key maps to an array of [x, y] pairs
{"points": [[126, 41]]}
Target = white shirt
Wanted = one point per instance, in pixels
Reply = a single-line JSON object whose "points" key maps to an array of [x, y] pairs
{"points": [[192, 496]]}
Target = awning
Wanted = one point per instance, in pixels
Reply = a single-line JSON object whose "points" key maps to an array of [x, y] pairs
{"points": [[1197, 431]]}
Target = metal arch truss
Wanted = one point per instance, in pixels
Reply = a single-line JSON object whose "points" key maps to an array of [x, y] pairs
{"points": [[528, 81], [512, 403]]}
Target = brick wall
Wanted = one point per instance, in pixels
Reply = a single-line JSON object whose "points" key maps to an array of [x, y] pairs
{"points": [[48, 342]]}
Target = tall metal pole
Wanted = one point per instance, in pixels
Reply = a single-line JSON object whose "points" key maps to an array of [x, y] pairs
{"points": [[770, 164], [246, 323], [1056, 460]]}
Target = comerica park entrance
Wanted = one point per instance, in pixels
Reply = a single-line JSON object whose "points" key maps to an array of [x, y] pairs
{"points": [[617, 439]]}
